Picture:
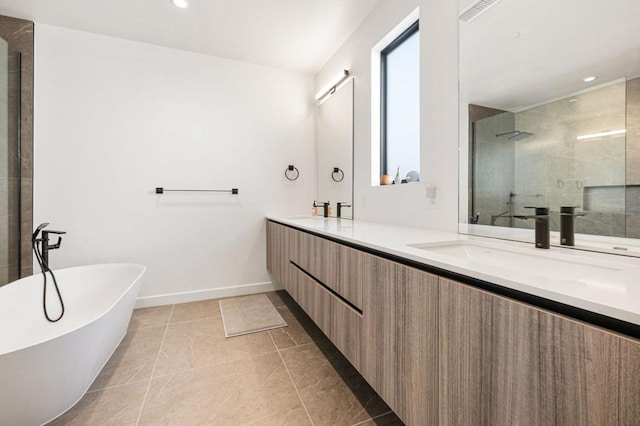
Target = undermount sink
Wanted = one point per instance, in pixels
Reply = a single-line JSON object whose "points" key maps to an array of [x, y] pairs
{"points": [[544, 263]]}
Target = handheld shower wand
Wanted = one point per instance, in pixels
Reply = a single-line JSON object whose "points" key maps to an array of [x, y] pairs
{"points": [[41, 249]]}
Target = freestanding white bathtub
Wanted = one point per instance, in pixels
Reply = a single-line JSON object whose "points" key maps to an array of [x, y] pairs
{"points": [[45, 368]]}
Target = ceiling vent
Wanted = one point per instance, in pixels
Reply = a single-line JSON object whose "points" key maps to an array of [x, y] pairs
{"points": [[477, 9]]}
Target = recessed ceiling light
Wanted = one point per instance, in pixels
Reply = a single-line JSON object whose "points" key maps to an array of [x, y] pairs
{"points": [[182, 4], [589, 79]]}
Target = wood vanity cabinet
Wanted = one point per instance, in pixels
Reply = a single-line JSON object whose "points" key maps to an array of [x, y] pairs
{"points": [[503, 362], [400, 346], [309, 269], [393, 340], [440, 352]]}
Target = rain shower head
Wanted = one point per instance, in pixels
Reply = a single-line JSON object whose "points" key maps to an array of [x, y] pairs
{"points": [[516, 135]]}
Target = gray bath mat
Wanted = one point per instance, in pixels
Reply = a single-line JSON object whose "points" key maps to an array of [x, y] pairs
{"points": [[249, 314]]}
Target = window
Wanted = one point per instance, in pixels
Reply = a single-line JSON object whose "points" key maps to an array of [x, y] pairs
{"points": [[400, 104]]}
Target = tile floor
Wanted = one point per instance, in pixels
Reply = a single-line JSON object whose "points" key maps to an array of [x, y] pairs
{"points": [[175, 367]]}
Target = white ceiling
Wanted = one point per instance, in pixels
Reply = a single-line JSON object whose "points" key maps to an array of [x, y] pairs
{"points": [[560, 42], [297, 35]]}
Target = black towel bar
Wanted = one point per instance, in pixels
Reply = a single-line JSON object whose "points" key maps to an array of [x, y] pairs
{"points": [[160, 190]]}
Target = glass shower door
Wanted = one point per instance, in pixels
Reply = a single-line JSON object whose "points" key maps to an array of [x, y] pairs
{"points": [[9, 163]]}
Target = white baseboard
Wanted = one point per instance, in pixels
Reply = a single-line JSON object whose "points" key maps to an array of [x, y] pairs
{"points": [[213, 293]]}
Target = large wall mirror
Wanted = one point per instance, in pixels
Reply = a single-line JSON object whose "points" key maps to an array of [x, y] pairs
{"points": [[550, 117], [334, 136]]}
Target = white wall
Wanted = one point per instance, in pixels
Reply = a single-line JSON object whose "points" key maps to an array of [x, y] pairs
{"points": [[407, 204], [115, 118]]}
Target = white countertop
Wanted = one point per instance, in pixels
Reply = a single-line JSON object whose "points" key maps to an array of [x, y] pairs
{"points": [[613, 291]]}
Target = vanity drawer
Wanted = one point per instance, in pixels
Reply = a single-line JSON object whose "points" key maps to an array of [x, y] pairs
{"points": [[336, 266], [341, 323]]}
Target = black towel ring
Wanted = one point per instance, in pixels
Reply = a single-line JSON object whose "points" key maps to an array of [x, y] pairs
{"points": [[291, 169], [340, 173]]}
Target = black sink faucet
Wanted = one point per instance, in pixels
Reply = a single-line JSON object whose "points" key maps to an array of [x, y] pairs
{"points": [[541, 216], [567, 234], [341, 205], [473, 220], [324, 205]]}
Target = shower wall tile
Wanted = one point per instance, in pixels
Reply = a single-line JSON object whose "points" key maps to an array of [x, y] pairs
{"points": [[478, 114], [633, 212], [4, 265], [601, 162], [493, 166], [4, 195], [562, 189], [605, 199], [594, 223], [8, 274], [489, 202], [633, 199], [9, 224], [554, 221], [632, 224], [558, 168], [618, 225], [492, 172], [13, 230], [633, 102], [555, 164], [26, 122], [14, 273], [633, 155], [12, 111], [26, 227], [531, 174], [4, 51], [20, 35], [633, 132]]}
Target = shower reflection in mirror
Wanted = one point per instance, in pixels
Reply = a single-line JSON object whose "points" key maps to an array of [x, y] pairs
{"points": [[567, 152]]}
